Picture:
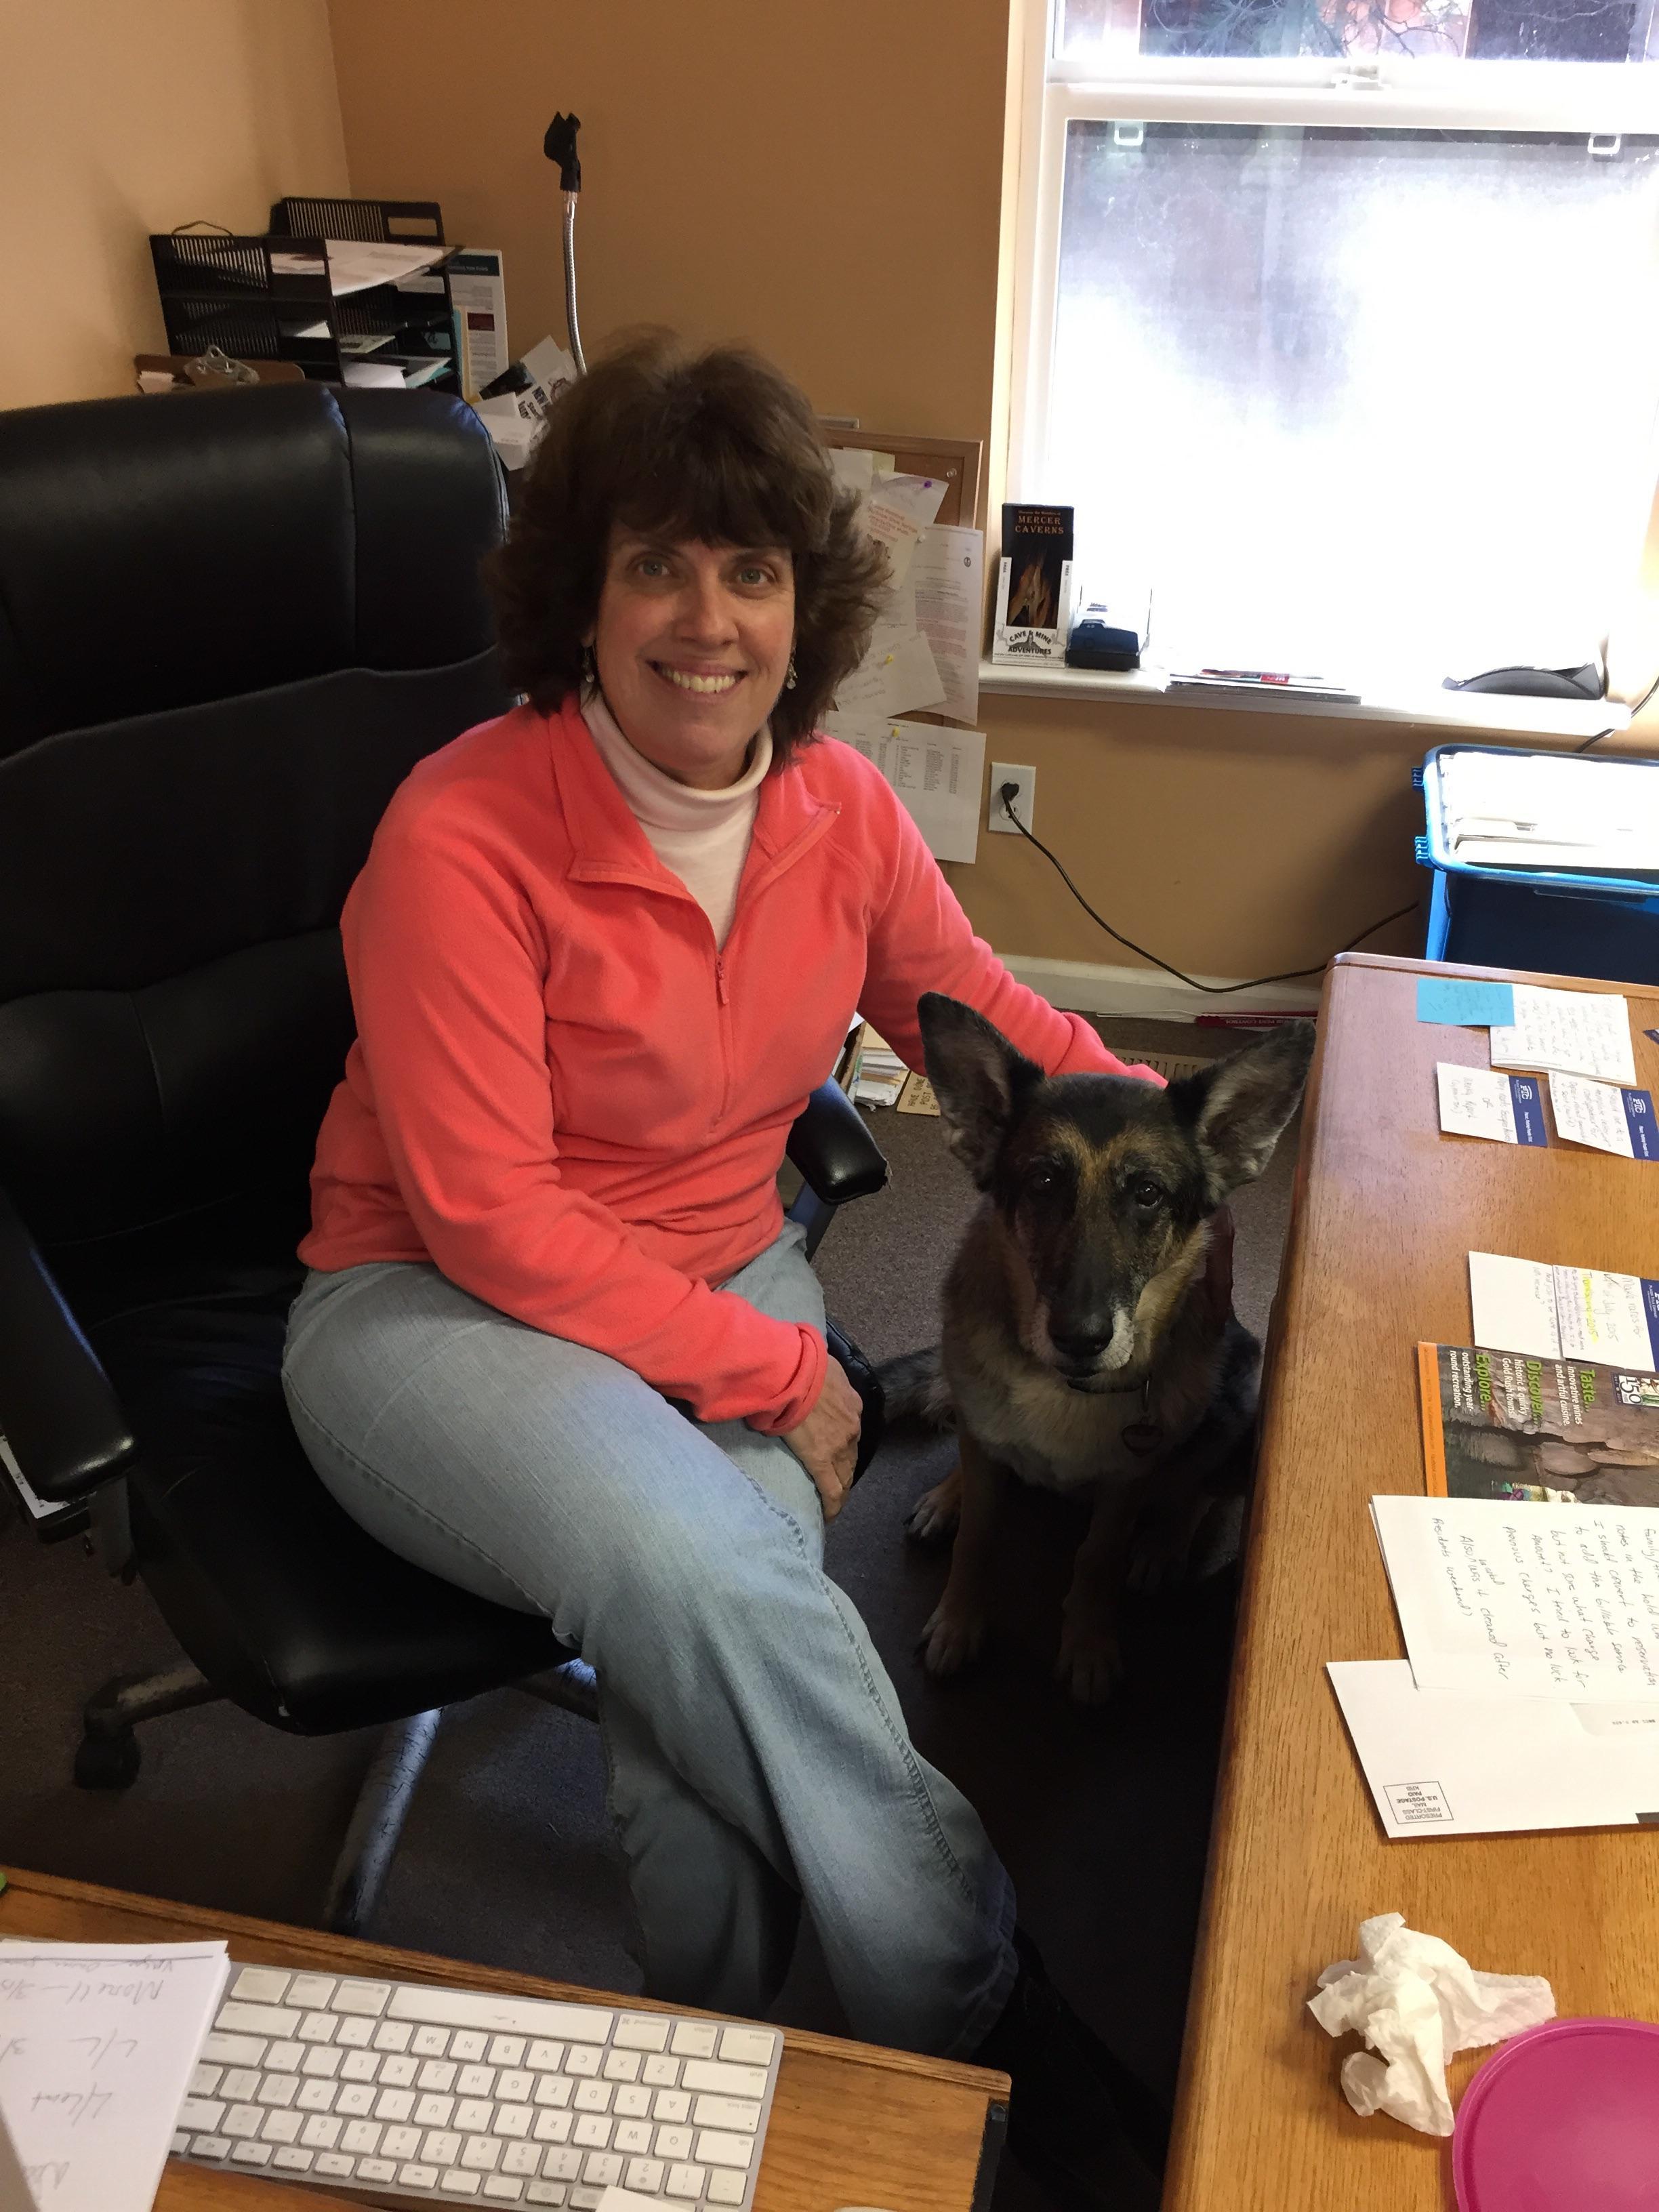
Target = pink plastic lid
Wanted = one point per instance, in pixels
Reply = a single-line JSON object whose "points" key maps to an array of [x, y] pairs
{"points": [[1563, 2119]]}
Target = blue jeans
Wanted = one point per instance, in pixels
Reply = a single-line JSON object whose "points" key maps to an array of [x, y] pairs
{"points": [[758, 1754]]}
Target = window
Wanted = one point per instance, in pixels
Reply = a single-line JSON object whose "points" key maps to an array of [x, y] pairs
{"points": [[1341, 323]]}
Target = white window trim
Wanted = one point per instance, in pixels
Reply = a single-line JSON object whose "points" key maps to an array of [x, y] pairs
{"points": [[1602, 99]]}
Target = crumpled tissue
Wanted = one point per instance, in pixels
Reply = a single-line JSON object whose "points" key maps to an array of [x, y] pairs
{"points": [[1416, 2001]]}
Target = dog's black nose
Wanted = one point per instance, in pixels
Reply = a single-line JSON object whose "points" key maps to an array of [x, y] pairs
{"points": [[1080, 1351]]}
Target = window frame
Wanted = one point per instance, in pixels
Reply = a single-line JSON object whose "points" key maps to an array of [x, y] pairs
{"points": [[1602, 100]]}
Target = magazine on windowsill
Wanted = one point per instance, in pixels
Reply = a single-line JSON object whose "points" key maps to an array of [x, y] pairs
{"points": [[1506, 1425]]}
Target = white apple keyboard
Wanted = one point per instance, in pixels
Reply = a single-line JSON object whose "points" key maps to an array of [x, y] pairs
{"points": [[432, 2095]]}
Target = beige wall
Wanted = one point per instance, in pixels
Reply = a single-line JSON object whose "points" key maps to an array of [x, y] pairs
{"points": [[117, 119]]}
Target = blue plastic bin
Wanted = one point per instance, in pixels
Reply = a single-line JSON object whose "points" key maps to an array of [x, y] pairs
{"points": [[1567, 924]]}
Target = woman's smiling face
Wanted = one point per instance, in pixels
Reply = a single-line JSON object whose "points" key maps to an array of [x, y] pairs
{"points": [[692, 642]]}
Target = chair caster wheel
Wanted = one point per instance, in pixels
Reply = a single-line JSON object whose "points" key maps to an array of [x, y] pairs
{"points": [[108, 1762]]}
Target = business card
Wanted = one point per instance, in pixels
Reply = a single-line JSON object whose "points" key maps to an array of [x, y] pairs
{"points": [[1483, 1102], [1609, 1116]]}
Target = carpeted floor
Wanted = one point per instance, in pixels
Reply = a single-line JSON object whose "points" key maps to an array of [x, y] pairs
{"points": [[1103, 1817]]}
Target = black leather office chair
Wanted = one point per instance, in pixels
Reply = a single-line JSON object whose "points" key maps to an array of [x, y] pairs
{"points": [[229, 626]]}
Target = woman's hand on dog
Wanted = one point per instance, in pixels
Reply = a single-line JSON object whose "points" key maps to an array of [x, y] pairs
{"points": [[827, 1442]]}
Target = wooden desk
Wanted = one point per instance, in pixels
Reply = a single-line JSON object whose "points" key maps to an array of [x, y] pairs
{"points": [[1385, 1212], [851, 2124]]}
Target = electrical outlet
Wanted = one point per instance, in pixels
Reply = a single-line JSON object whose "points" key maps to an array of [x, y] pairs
{"points": [[1023, 801]]}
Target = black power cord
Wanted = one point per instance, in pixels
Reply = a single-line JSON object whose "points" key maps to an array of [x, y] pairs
{"points": [[1009, 791], [1634, 711]]}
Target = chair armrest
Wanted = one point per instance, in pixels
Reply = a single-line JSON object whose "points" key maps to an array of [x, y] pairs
{"points": [[58, 1411], [837, 1157]]}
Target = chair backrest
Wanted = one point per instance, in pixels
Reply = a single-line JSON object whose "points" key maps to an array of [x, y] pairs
{"points": [[230, 624]]}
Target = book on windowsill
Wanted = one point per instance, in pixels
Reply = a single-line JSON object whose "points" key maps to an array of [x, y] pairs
{"points": [[1264, 682]]}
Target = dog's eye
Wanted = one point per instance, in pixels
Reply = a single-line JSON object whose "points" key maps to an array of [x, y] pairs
{"points": [[1147, 1194], [1041, 1180]]}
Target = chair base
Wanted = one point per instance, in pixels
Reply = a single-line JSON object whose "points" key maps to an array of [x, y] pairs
{"points": [[108, 1757]]}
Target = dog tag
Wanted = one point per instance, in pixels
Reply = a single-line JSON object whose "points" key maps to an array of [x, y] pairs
{"points": [[1143, 1436]]}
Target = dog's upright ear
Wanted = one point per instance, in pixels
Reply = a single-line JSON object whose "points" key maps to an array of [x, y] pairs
{"points": [[978, 1077], [1237, 1108]]}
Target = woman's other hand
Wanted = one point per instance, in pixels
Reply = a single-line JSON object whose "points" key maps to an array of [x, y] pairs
{"points": [[827, 1442]]}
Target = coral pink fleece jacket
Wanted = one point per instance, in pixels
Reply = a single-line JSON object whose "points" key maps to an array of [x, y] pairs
{"points": [[567, 1100]]}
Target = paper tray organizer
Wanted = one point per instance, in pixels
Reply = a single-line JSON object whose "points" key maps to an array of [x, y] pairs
{"points": [[1561, 923]]}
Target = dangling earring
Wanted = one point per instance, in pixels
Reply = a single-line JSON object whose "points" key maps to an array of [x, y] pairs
{"points": [[790, 679], [590, 667]]}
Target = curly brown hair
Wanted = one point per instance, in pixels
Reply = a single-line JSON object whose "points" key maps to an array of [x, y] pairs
{"points": [[717, 446]]}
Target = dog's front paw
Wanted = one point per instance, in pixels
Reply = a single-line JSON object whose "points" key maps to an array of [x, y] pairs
{"points": [[936, 1512], [1090, 1664], [1160, 1555], [950, 1640]]}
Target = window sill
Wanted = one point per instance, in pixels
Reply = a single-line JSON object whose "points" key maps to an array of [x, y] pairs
{"points": [[1472, 713]]}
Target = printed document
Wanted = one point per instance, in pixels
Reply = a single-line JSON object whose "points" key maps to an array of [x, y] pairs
{"points": [[936, 772], [1578, 1032], [945, 574], [97, 2045], [1482, 1762], [1535, 1600]]}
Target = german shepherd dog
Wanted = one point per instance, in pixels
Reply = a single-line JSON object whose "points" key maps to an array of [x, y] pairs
{"points": [[1089, 1342]]}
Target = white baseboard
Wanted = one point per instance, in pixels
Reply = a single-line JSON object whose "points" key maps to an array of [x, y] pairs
{"points": [[1083, 987]]}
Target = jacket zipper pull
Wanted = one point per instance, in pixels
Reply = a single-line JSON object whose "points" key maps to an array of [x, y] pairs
{"points": [[720, 979]]}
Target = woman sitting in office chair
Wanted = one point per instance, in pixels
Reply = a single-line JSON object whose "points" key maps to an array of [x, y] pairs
{"points": [[602, 949]]}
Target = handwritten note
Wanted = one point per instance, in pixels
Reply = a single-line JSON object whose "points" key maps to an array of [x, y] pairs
{"points": [[1563, 1313], [1545, 1601], [1578, 1032], [96, 2049], [1605, 1114], [1482, 1102]]}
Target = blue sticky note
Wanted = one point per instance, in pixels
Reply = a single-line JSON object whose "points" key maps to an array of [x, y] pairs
{"points": [[1467, 1005]]}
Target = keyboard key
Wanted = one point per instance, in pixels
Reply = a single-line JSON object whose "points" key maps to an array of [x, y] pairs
{"points": [[376, 2169], [473, 2116], [640, 2031], [521, 2158], [317, 2027], [335, 2164], [457, 2183], [737, 2113], [394, 2104], [393, 2034], [481, 2154], [319, 2132], [261, 1985], [726, 2188], [434, 2112], [430, 2042], [367, 1997], [718, 2149], [672, 2105], [401, 2142], [583, 2059], [251, 2153], [201, 2112], [724, 2081], [553, 2127], [693, 2039], [673, 2142], [645, 2174], [438, 2073], [316, 2097], [685, 2181], [593, 2130], [204, 2081], [279, 2089], [507, 2050], [660, 2073], [321, 2062], [476, 2080], [354, 2034], [545, 2192], [284, 2057], [632, 2135], [180, 2143], [362, 2135], [513, 2119], [398, 2072], [510, 2015], [503, 2186], [359, 2065], [419, 2177], [441, 2147], [238, 2084], [620, 2066], [468, 2044], [356, 2099], [544, 2056], [294, 2161], [211, 2146], [515, 2086], [749, 2046], [281, 2127], [241, 2120], [255, 2019], [561, 2165], [603, 2167], [310, 1990], [585, 2199], [553, 2089], [233, 2049], [593, 2096]]}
